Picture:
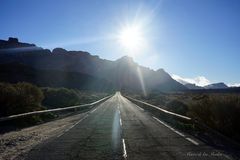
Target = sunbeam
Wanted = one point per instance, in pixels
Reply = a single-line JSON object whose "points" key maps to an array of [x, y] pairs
{"points": [[141, 81]]}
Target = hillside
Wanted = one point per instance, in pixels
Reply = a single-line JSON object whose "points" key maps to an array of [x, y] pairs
{"points": [[14, 72], [123, 74]]}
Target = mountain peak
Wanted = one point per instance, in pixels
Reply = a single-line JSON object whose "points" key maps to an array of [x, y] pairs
{"points": [[12, 40], [58, 50], [161, 70], [219, 85], [14, 43], [192, 86], [125, 58]]}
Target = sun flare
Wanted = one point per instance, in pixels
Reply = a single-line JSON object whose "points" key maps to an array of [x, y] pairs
{"points": [[131, 38]]}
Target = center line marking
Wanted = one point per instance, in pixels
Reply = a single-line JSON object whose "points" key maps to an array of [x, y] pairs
{"points": [[120, 121], [124, 149]]}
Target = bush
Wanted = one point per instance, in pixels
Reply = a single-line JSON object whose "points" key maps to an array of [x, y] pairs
{"points": [[177, 107], [220, 112], [63, 97], [60, 97], [19, 98]]}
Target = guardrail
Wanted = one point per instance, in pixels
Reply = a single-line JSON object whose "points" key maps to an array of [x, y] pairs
{"points": [[51, 110], [161, 110], [196, 122]]}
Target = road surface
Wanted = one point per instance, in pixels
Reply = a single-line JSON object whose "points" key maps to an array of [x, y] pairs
{"points": [[118, 129]]}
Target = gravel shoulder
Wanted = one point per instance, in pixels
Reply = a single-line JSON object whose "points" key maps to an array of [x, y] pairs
{"points": [[16, 144]]}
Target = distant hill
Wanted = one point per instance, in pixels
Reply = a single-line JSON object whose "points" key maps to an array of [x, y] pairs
{"points": [[122, 74], [216, 86], [193, 86], [210, 86]]}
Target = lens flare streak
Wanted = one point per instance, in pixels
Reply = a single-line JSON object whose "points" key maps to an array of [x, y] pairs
{"points": [[141, 81]]}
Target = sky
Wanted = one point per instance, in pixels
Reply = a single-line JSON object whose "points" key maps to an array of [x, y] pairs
{"points": [[193, 40]]}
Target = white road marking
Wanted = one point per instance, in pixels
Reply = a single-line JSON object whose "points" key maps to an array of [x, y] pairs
{"points": [[72, 126], [169, 127], [93, 110], [120, 120], [139, 108], [124, 149], [119, 112], [118, 106], [191, 140], [67, 129], [179, 133], [60, 134]]}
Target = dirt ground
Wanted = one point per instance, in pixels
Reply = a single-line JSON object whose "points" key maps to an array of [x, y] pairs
{"points": [[16, 144]]}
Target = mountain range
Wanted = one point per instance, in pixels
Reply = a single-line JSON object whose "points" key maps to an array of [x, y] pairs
{"points": [[187, 82], [220, 85], [78, 69]]}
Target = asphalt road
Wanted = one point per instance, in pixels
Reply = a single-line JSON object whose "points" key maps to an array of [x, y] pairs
{"points": [[118, 129]]}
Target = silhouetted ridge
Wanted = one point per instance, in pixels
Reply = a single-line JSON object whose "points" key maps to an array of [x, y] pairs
{"points": [[123, 74], [14, 43], [12, 40], [125, 59], [59, 51]]}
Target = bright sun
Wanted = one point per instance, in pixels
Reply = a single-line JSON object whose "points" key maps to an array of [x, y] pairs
{"points": [[131, 38]]}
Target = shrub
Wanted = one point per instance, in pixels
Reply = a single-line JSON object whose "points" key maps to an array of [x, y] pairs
{"points": [[177, 107], [19, 98], [220, 112], [63, 97], [60, 97]]}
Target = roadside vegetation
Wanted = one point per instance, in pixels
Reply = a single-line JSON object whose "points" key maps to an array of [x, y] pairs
{"points": [[219, 111], [25, 97], [63, 97], [19, 98]]}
